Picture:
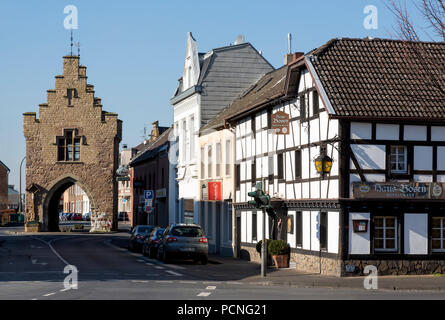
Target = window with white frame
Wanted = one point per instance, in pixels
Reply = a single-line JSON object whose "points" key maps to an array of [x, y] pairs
{"points": [[209, 161], [192, 138], [399, 159], [228, 157], [184, 140], [438, 234], [202, 163], [218, 159], [385, 234]]}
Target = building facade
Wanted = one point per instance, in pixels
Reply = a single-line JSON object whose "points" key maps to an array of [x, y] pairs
{"points": [[75, 200], [369, 108], [72, 141], [13, 198], [210, 82], [124, 187], [4, 174], [150, 172]]}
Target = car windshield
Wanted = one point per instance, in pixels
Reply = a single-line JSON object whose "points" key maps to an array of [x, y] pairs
{"points": [[144, 230], [187, 232]]}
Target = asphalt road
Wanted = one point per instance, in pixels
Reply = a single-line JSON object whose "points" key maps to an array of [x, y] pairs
{"points": [[32, 268]]}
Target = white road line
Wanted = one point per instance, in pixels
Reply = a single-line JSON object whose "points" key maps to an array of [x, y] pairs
{"points": [[174, 273], [211, 288], [49, 294], [204, 294], [173, 266], [52, 249], [66, 289], [159, 267], [164, 281], [234, 282], [188, 282], [34, 299], [140, 281], [149, 264]]}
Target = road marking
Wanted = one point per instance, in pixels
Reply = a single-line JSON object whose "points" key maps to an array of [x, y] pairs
{"points": [[63, 290], [173, 266], [140, 281], [159, 267], [149, 264], [34, 261], [211, 288], [233, 282], [174, 273], [34, 299], [204, 294], [188, 282], [164, 281], [52, 249], [49, 294]]}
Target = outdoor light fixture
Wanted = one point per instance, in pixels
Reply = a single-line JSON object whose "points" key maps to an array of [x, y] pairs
{"points": [[323, 164]]}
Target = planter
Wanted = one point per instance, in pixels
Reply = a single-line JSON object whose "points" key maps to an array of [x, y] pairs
{"points": [[32, 226], [281, 261]]}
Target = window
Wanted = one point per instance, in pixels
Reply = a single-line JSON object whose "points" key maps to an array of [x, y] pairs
{"points": [[298, 164], [302, 106], [438, 234], [280, 160], [70, 94], [385, 234], [254, 227], [184, 140], [253, 172], [192, 138], [202, 163], [228, 157], [68, 147], [398, 159], [290, 224], [209, 161], [323, 230], [218, 159], [299, 229], [315, 103], [238, 176]]}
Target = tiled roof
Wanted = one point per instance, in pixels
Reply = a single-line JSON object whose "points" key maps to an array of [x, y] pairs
{"points": [[152, 148], [268, 86], [382, 78]]}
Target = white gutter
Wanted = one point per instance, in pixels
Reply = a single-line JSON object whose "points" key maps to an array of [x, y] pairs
{"points": [[318, 84]]}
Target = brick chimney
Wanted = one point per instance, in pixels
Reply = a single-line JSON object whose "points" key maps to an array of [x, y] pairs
{"points": [[289, 58], [154, 131]]}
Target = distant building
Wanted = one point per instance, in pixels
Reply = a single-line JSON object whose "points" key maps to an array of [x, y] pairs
{"points": [[75, 200], [149, 170], [13, 198], [4, 173]]}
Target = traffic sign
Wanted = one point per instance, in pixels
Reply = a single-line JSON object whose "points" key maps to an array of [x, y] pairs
{"points": [[148, 194]]}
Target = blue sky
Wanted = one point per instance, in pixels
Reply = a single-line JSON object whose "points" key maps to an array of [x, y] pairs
{"points": [[134, 50]]}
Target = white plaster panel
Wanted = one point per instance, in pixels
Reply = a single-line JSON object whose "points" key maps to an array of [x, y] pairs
{"points": [[249, 226], [315, 189], [290, 194], [370, 156], [359, 242], [423, 158], [315, 131], [315, 232], [305, 163], [333, 229], [441, 178], [415, 133], [387, 131], [306, 219], [305, 190], [324, 125], [333, 128], [423, 178], [416, 233], [243, 226], [361, 130]]}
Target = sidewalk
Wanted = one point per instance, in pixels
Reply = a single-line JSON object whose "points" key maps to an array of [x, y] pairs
{"points": [[290, 277]]}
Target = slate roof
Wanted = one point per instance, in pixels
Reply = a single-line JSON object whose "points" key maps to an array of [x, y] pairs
{"points": [[270, 85], [382, 78], [152, 149]]}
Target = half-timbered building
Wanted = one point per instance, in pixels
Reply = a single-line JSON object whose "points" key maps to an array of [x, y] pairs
{"points": [[374, 111]]}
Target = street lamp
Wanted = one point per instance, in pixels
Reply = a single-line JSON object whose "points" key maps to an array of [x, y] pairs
{"points": [[21, 201]]}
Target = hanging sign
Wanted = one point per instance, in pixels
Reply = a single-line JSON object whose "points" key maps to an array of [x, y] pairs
{"points": [[280, 123], [395, 190]]}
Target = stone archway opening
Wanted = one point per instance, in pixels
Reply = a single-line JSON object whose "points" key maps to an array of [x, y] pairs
{"points": [[69, 197]]}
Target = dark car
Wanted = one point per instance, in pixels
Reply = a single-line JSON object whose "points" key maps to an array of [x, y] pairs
{"points": [[69, 216], [137, 237], [185, 241], [151, 243]]}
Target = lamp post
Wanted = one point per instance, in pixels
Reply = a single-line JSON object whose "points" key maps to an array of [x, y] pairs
{"points": [[21, 202], [323, 164]]}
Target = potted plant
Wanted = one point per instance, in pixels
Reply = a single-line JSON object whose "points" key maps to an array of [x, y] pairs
{"points": [[279, 249], [258, 249]]}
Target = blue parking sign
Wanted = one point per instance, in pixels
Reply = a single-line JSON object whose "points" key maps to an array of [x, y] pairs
{"points": [[148, 194]]}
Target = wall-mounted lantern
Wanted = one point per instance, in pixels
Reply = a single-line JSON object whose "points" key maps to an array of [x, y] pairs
{"points": [[323, 163]]}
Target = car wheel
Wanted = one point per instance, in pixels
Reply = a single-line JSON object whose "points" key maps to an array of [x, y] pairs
{"points": [[204, 260]]}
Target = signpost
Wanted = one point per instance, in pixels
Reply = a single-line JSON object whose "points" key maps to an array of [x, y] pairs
{"points": [[148, 196]]}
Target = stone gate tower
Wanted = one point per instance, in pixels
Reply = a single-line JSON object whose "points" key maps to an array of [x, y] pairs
{"points": [[73, 141]]}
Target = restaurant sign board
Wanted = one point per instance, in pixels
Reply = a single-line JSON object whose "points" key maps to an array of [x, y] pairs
{"points": [[280, 123], [398, 190]]}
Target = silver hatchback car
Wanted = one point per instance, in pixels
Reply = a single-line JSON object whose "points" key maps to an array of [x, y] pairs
{"points": [[184, 241]]}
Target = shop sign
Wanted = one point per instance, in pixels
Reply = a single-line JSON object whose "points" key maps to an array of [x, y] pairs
{"points": [[396, 190], [214, 191], [280, 123], [161, 193]]}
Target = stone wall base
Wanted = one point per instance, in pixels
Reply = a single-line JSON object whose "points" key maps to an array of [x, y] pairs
{"points": [[315, 264], [395, 267], [32, 226]]}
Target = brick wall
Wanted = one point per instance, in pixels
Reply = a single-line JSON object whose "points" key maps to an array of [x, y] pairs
{"points": [[3, 187]]}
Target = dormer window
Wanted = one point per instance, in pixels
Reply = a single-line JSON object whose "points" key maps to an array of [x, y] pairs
{"points": [[68, 147]]}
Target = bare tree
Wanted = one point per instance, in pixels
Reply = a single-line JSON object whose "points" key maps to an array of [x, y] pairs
{"points": [[419, 55]]}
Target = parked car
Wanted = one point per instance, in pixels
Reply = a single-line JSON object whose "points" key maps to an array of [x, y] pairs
{"points": [[76, 217], [137, 237], [69, 216], [86, 216], [151, 243], [122, 216], [186, 241]]}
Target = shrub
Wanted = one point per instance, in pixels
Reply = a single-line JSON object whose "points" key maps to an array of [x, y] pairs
{"points": [[259, 244], [278, 247]]}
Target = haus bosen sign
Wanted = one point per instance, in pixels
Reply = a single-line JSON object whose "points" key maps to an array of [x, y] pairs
{"points": [[395, 190], [280, 123]]}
